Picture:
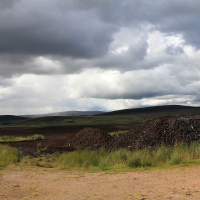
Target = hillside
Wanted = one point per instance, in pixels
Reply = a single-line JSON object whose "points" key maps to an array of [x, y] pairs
{"points": [[126, 116], [154, 110], [8, 119]]}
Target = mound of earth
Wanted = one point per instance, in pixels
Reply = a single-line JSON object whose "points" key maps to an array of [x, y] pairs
{"points": [[91, 138], [165, 130]]}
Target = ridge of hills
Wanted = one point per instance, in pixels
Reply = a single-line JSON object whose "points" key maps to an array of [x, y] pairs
{"points": [[125, 116]]}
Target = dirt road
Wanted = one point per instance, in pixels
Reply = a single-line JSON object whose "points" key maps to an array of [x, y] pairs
{"points": [[19, 182]]}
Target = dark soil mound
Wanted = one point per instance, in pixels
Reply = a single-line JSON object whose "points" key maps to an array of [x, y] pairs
{"points": [[166, 130], [90, 138]]}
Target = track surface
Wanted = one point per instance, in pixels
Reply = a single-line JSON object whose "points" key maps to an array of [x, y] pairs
{"points": [[22, 182]]}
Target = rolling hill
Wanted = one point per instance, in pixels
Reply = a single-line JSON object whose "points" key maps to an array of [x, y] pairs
{"points": [[69, 118], [154, 110]]}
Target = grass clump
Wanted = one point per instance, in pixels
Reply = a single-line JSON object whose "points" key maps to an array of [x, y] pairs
{"points": [[142, 158], [116, 133], [8, 155], [78, 159]]}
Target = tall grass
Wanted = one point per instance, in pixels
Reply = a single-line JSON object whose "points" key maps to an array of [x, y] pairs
{"points": [[139, 158], [8, 155], [105, 160]]}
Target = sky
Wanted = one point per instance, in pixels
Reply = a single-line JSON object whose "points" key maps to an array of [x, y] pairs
{"points": [[84, 55]]}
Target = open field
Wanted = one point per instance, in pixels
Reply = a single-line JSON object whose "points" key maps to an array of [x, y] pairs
{"points": [[22, 182], [164, 130]]}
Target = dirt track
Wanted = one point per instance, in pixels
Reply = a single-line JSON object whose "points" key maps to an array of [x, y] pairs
{"points": [[19, 182]]}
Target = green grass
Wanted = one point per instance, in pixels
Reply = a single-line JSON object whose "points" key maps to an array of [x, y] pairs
{"points": [[101, 160], [8, 155], [19, 139], [124, 159]]}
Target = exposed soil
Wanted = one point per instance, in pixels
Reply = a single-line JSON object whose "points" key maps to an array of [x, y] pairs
{"points": [[164, 130], [22, 182], [58, 138]]}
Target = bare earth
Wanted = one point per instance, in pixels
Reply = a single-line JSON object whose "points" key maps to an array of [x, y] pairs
{"points": [[19, 182]]}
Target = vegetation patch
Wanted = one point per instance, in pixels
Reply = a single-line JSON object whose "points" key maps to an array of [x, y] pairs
{"points": [[116, 133], [100, 160], [20, 139], [123, 159]]}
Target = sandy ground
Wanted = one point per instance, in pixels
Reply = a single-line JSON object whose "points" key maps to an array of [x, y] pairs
{"points": [[19, 182]]}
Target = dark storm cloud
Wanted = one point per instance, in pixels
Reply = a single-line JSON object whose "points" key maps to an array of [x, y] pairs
{"points": [[83, 29], [43, 28], [79, 33], [173, 16]]}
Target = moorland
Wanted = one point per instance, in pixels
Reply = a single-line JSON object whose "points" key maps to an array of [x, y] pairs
{"points": [[156, 142]]}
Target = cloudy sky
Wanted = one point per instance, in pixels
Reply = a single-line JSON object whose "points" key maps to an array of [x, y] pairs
{"points": [[63, 55]]}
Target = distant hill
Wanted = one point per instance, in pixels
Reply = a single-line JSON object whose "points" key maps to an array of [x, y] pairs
{"points": [[74, 118], [66, 114], [154, 110], [12, 119]]}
